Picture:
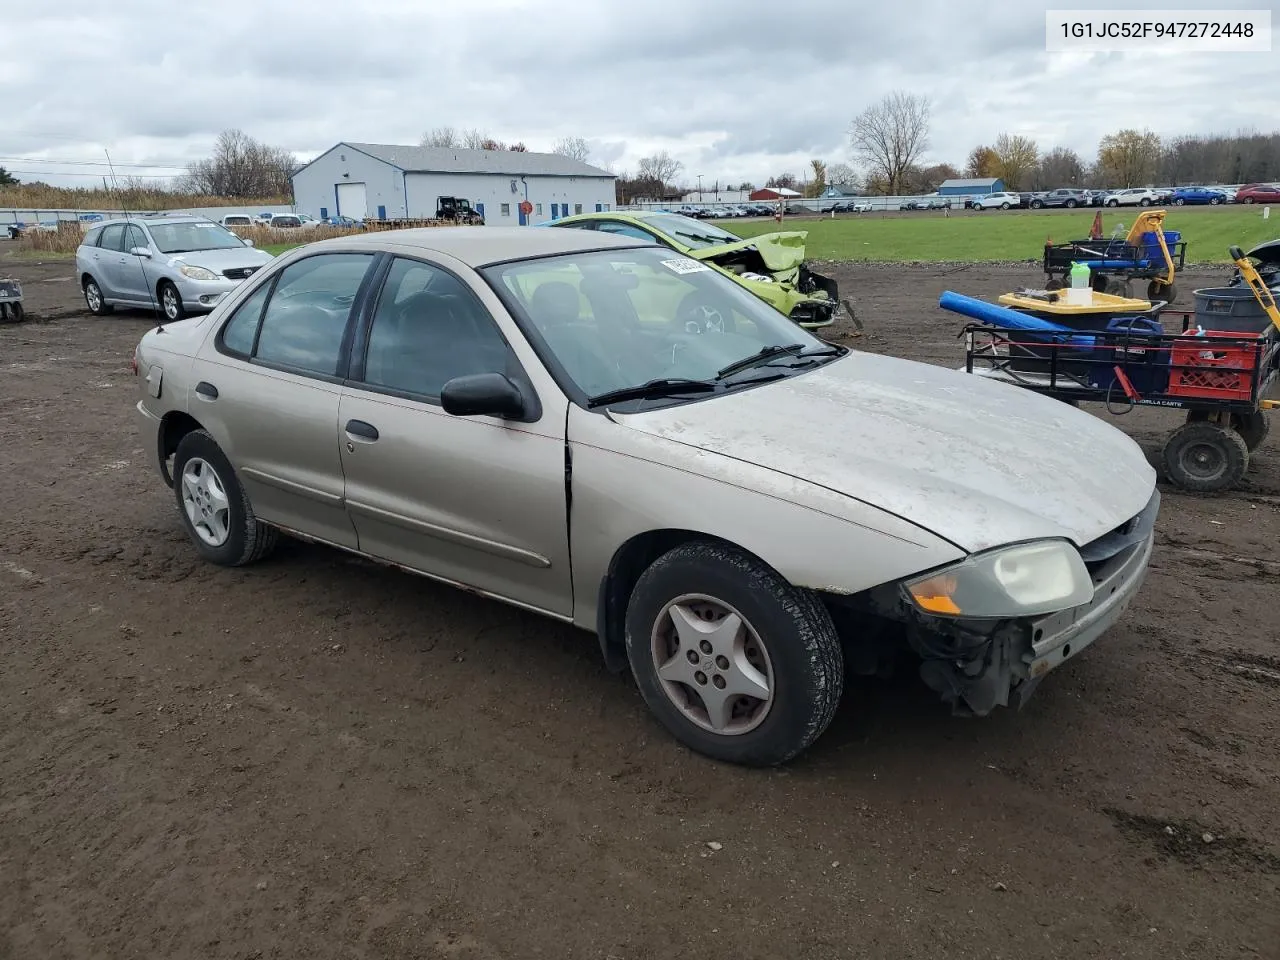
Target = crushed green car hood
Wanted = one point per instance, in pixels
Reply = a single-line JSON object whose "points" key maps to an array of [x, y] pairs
{"points": [[781, 252]]}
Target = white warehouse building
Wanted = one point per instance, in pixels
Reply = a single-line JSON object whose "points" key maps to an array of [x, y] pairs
{"points": [[385, 181]]}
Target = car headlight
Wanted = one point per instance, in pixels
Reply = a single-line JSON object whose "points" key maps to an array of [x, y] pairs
{"points": [[1019, 581], [197, 273]]}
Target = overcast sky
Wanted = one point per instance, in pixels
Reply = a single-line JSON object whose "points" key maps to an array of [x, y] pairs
{"points": [[735, 89]]}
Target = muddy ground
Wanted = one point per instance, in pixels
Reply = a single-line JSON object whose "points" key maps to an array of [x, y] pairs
{"points": [[315, 757]]}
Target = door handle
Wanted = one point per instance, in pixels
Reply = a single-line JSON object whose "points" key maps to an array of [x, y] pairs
{"points": [[206, 390], [362, 430]]}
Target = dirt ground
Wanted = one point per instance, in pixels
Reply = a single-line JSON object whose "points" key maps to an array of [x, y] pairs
{"points": [[316, 757]]}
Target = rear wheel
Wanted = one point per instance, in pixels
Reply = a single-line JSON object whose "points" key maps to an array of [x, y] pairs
{"points": [[214, 508], [1070, 204], [1214, 201], [1144, 202], [94, 299], [1205, 457], [735, 662], [1004, 206], [1113, 203], [1253, 427], [1036, 204]]}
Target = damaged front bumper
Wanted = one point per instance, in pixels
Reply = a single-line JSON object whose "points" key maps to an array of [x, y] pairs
{"points": [[979, 665]]}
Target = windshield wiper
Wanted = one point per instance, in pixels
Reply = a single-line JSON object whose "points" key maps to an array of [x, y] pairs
{"points": [[773, 350], [653, 388]]}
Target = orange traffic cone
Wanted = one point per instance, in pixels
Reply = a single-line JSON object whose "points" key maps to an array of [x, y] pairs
{"points": [[1095, 232]]}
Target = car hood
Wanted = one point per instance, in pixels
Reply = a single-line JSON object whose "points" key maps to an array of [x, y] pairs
{"points": [[978, 463], [779, 251], [226, 259]]}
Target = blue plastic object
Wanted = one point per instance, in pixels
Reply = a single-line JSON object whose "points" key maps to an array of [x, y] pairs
{"points": [[1151, 244], [1118, 264], [995, 315]]}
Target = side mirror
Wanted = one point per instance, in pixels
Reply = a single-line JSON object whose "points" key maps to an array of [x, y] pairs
{"points": [[482, 394], [141, 252], [248, 243]]}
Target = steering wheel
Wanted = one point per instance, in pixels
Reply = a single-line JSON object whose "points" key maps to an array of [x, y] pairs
{"points": [[696, 315]]}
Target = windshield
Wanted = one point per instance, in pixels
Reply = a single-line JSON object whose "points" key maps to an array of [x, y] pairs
{"points": [[621, 318], [189, 236], [694, 234]]}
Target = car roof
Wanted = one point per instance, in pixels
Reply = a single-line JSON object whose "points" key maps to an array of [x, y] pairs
{"points": [[481, 246]]}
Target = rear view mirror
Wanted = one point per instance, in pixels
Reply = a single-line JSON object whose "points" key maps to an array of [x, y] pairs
{"points": [[141, 252], [482, 394]]}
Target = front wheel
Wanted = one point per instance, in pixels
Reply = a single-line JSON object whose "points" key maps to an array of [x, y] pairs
{"points": [[735, 662], [1004, 206], [171, 302], [213, 506], [1205, 457], [1179, 202], [1144, 202], [1248, 199], [1214, 201], [1113, 203], [1036, 204]]}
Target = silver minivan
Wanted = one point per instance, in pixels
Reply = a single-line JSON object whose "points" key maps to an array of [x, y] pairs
{"points": [[177, 265]]}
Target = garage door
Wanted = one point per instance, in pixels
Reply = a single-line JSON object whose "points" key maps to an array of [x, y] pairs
{"points": [[352, 201]]}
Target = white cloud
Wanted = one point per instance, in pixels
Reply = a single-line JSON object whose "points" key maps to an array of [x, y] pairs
{"points": [[736, 89]]}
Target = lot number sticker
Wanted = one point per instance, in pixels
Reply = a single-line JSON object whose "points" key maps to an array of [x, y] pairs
{"points": [[685, 265]]}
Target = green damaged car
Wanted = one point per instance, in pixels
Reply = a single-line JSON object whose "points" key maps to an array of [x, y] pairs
{"points": [[771, 265]]}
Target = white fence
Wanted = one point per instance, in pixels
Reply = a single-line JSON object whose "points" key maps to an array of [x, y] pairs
{"points": [[87, 218]]}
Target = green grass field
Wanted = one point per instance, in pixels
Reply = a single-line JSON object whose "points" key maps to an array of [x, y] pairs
{"points": [[1003, 235]]}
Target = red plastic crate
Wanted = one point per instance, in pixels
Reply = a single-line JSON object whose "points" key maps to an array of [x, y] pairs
{"points": [[1212, 371]]}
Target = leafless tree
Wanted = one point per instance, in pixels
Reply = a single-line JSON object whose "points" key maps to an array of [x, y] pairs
{"points": [[842, 175], [661, 167], [891, 135], [1060, 167], [241, 167], [575, 148], [518, 148], [786, 180], [440, 137]]}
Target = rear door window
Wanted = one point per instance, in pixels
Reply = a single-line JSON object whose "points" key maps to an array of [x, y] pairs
{"points": [[303, 326]]}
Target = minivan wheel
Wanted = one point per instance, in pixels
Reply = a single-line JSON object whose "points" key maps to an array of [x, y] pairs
{"points": [[214, 507], [94, 300], [171, 302], [735, 662]]}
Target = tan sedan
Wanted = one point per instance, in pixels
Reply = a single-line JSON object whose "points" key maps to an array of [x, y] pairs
{"points": [[619, 437]]}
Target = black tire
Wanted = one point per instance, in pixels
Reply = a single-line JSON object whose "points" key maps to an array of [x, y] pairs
{"points": [[1179, 202], [1254, 428], [1214, 201], [1248, 199], [1004, 206], [171, 305], [1054, 283], [1036, 204], [1144, 202], [1167, 292], [11, 312], [93, 294], [249, 539], [1113, 203], [1070, 204], [794, 627], [1204, 457]]}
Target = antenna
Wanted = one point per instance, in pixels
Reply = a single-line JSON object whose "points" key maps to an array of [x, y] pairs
{"points": [[146, 283]]}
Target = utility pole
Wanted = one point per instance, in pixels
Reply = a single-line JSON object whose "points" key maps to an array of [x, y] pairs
{"points": [[699, 188]]}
